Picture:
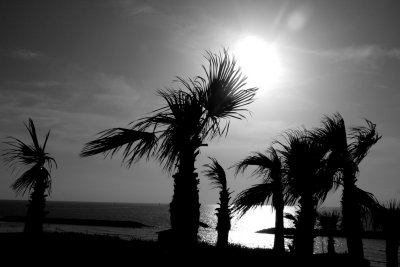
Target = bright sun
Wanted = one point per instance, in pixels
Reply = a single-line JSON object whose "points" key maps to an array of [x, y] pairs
{"points": [[259, 61]]}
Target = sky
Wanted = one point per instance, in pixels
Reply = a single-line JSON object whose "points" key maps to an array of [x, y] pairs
{"points": [[79, 67]]}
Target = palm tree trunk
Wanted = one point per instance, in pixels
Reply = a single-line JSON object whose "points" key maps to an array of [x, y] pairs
{"points": [[331, 245], [392, 245], [304, 237], [224, 219], [36, 206], [279, 241], [352, 221], [185, 206]]}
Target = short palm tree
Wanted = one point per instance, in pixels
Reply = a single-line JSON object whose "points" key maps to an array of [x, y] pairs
{"points": [[269, 167], [308, 179], [174, 133], [347, 150], [217, 175], [328, 222], [35, 165], [387, 217]]}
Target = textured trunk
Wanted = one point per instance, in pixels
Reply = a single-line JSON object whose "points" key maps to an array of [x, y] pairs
{"points": [[304, 237], [185, 206], [331, 245], [352, 218], [224, 219], [279, 241], [36, 206], [392, 251]]}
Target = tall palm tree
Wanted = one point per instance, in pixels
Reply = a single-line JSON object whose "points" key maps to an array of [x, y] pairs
{"points": [[308, 179], [347, 150], [269, 167], [35, 165], [387, 217], [174, 133], [217, 175]]}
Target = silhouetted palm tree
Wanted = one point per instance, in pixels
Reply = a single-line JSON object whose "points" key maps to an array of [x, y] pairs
{"points": [[347, 150], [174, 133], [328, 222], [269, 167], [217, 175], [308, 179], [387, 217], [35, 165]]}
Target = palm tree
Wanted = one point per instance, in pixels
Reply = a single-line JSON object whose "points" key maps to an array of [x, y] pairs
{"points": [[308, 179], [269, 167], [217, 175], [36, 165], [387, 216], [347, 150], [174, 133], [328, 221]]}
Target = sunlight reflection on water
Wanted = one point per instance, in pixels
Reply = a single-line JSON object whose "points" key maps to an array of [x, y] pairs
{"points": [[243, 230]]}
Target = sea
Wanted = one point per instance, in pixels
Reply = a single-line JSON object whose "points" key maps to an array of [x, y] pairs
{"points": [[156, 217]]}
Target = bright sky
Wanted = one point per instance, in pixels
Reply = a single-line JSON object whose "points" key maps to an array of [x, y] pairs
{"points": [[79, 67]]}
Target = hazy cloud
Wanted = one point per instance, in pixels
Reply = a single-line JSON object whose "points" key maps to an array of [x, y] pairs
{"points": [[26, 54], [142, 10], [360, 53]]}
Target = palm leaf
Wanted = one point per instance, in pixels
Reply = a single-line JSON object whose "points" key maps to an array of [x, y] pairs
{"points": [[265, 164], [113, 140], [224, 96], [19, 153], [216, 174], [29, 178], [32, 132], [332, 133], [253, 197], [364, 138]]}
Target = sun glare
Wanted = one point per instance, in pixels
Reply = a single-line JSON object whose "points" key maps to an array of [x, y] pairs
{"points": [[259, 61]]}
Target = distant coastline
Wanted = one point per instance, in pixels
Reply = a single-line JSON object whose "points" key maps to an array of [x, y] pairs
{"points": [[91, 222], [289, 232]]}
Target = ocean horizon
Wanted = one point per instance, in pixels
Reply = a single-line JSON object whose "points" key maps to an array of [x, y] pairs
{"points": [[156, 217]]}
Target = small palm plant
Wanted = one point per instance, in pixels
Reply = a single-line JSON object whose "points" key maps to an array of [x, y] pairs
{"points": [[224, 213], [328, 221], [36, 165], [269, 167]]}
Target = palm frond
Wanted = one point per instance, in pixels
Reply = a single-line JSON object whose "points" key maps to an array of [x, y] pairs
{"points": [[137, 144], [32, 132], [253, 197], [216, 174], [224, 93], [306, 167], [19, 154], [262, 163], [29, 178], [180, 124], [332, 134], [364, 138]]}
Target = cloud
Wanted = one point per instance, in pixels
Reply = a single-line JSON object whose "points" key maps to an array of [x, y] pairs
{"points": [[26, 54], [369, 53], [142, 10]]}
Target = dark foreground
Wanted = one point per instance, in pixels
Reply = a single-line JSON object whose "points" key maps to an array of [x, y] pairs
{"points": [[54, 249]]}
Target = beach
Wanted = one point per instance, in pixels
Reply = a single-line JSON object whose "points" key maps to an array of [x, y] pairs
{"points": [[142, 222]]}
